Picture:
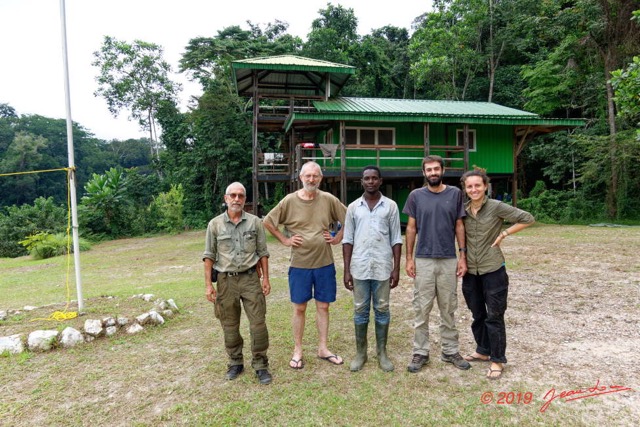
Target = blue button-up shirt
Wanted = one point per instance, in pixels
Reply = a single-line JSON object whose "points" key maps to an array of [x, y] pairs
{"points": [[372, 233]]}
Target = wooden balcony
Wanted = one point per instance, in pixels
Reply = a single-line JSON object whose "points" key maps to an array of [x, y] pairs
{"points": [[397, 160]]}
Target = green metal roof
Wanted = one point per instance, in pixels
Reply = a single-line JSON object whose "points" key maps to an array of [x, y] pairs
{"points": [[427, 111], [418, 107], [289, 75]]}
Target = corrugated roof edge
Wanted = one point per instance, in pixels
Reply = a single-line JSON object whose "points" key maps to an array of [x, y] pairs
{"points": [[432, 118], [292, 62]]}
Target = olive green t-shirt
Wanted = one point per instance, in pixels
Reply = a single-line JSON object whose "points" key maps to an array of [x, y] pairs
{"points": [[308, 218]]}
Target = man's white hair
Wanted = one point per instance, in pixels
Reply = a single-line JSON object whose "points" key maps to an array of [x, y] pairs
{"points": [[235, 184], [309, 164]]}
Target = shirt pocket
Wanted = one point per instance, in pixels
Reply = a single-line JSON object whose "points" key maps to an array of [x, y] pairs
{"points": [[225, 243], [250, 238], [383, 233], [381, 227]]}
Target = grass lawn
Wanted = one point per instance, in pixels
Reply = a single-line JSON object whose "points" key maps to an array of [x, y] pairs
{"points": [[174, 374]]}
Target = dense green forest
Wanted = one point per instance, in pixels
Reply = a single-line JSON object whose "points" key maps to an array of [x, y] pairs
{"points": [[571, 58]]}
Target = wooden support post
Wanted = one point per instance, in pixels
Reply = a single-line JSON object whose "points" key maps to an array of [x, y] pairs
{"points": [[517, 149], [426, 140], [343, 164], [254, 136], [466, 147]]}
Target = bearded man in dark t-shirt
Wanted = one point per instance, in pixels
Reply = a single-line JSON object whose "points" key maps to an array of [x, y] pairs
{"points": [[435, 216]]}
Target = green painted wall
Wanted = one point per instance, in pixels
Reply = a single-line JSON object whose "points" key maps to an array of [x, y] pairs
{"points": [[494, 147]]}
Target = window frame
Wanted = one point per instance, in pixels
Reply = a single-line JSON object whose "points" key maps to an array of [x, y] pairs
{"points": [[376, 131], [473, 141]]}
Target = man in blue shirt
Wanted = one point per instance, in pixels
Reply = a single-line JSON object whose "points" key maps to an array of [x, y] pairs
{"points": [[371, 248]]}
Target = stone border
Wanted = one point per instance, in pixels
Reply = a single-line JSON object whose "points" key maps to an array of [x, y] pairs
{"points": [[45, 340]]}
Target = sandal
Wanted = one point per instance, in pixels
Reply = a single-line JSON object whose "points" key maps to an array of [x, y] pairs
{"points": [[494, 377], [296, 363], [472, 358]]}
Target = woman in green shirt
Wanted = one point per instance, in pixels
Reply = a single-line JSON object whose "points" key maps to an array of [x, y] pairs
{"points": [[486, 285]]}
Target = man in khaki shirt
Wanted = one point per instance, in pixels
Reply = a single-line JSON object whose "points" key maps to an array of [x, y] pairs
{"points": [[236, 251]]}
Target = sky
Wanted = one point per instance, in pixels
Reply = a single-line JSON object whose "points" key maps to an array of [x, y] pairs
{"points": [[31, 54]]}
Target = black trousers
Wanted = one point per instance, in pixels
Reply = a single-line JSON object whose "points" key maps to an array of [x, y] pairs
{"points": [[486, 297]]}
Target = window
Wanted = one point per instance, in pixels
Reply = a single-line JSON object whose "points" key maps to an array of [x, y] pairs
{"points": [[370, 136], [472, 138]]}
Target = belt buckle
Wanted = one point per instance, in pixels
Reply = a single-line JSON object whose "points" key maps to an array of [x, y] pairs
{"points": [[233, 274]]}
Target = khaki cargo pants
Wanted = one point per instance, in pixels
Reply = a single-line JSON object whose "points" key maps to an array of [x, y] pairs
{"points": [[232, 290]]}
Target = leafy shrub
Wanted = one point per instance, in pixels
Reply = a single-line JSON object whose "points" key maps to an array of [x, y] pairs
{"points": [[45, 245], [21, 221], [168, 209], [107, 211], [567, 207]]}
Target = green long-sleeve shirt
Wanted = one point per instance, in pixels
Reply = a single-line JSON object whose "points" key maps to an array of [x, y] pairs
{"points": [[483, 229], [235, 247]]}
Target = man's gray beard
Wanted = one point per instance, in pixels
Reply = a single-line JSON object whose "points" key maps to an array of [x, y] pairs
{"points": [[310, 188]]}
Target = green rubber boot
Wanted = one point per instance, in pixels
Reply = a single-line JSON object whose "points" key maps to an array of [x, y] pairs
{"points": [[381, 345], [361, 348]]}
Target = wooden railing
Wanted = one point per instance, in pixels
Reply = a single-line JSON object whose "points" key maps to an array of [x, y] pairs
{"points": [[386, 157], [273, 163]]}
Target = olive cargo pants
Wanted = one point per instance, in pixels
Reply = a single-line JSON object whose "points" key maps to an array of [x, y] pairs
{"points": [[245, 289]]}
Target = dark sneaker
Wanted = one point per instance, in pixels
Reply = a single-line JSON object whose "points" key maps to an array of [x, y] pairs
{"points": [[264, 376], [234, 371], [457, 360], [417, 362]]}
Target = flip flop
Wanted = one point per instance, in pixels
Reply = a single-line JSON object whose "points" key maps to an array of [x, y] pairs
{"points": [[472, 358], [331, 359], [491, 371], [299, 363]]}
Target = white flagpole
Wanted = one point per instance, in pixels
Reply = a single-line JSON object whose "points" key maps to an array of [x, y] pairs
{"points": [[72, 171]]}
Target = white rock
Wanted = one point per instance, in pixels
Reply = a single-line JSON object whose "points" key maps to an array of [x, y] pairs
{"points": [[134, 328], [167, 313], [89, 338], [108, 321], [147, 297], [110, 330], [71, 337], [143, 318], [42, 340], [93, 327], [161, 304], [172, 304], [122, 321], [11, 344], [3, 315], [29, 308], [155, 318]]}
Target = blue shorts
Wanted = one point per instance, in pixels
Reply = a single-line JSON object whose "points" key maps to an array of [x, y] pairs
{"points": [[307, 283]]}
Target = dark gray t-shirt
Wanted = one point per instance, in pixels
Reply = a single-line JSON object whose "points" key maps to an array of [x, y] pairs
{"points": [[436, 215]]}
